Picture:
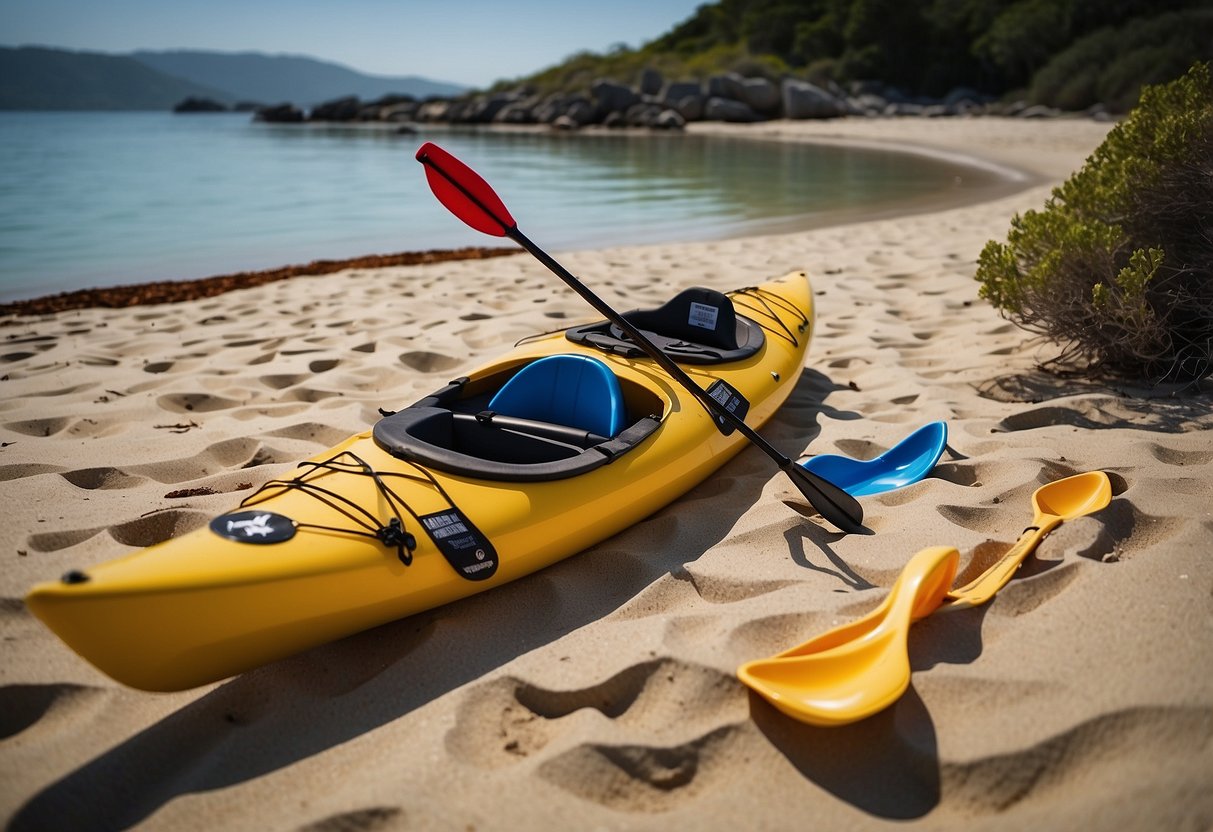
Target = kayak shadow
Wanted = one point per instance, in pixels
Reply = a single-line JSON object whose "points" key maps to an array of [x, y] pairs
{"points": [[276, 716], [281, 714]]}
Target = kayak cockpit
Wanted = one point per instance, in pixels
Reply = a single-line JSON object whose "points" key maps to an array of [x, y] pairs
{"points": [[554, 418]]}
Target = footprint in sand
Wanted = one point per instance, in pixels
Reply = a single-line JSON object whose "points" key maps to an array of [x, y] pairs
{"points": [[681, 590], [321, 434], [310, 395], [282, 381], [39, 427], [967, 474], [429, 362], [102, 478], [323, 365], [651, 779], [974, 518], [195, 403], [230, 454], [1101, 750], [61, 539], [158, 527], [27, 469], [769, 634], [506, 720], [1171, 456], [358, 820]]}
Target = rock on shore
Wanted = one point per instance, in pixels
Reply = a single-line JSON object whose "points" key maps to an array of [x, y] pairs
{"points": [[662, 104]]}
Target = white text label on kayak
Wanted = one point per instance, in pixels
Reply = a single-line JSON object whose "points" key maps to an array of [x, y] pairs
{"points": [[703, 316]]}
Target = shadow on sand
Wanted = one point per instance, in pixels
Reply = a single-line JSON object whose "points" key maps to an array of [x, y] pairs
{"points": [[280, 714]]}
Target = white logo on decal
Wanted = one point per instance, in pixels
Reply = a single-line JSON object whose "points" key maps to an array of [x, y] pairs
{"points": [[259, 525]]}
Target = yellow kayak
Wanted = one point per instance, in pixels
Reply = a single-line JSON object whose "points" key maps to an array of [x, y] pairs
{"points": [[563, 442]]}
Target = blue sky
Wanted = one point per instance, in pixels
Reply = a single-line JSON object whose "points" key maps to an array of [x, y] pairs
{"points": [[473, 42]]}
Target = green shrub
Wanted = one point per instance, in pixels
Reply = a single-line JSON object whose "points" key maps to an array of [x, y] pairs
{"points": [[1110, 65], [1118, 267]]}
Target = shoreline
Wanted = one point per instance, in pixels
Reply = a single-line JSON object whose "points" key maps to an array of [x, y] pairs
{"points": [[1013, 175], [176, 291], [601, 691]]}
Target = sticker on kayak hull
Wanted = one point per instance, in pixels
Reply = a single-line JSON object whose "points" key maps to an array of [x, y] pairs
{"points": [[730, 400], [463, 545], [703, 316], [254, 527]]}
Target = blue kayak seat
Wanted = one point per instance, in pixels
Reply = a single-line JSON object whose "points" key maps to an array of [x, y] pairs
{"points": [[574, 390]]}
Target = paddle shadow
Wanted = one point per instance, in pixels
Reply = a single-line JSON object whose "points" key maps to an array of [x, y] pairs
{"points": [[796, 538]]}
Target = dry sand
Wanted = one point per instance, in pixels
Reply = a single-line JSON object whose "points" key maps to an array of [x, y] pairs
{"points": [[600, 693]]}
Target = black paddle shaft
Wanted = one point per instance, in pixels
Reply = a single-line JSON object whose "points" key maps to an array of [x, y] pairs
{"points": [[834, 504]]}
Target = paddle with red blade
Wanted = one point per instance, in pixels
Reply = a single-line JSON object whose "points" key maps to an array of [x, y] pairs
{"points": [[466, 195]]}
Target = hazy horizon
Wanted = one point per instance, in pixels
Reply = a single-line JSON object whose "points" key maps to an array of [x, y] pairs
{"points": [[469, 42]]}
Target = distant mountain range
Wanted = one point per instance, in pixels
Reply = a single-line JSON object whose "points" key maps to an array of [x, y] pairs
{"points": [[42, 78]]}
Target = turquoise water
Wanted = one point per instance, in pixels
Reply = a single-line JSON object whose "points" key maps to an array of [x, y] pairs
{"points": [[96, 199]]}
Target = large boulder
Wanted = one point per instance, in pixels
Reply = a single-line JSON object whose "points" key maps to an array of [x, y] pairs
{"points": [[483, 109], [279, 114], [866, 104], [518, 112], [669, 120], [404, 111], [964, 99], [761, 95], [199, 105], [582, 111], [725, 109], [691, 107], [643, 114], [340, 109], [730, 85], [651, 82], [613, 97], [576, 107], [675, 91], [804, 100], [436, 110]]}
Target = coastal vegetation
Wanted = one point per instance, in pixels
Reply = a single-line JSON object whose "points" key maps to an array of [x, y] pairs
{"points": [[1068, 54], [1118, 266]]}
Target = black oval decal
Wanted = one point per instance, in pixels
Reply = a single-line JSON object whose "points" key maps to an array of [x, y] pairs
{"points": [[254, 527], [463, 545]]}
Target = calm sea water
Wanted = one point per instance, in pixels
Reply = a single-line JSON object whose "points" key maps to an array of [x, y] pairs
{"points": [[96, 199]]}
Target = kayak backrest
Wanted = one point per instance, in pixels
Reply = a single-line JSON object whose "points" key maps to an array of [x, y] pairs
{"points": [[575, 390], [699, 315]]}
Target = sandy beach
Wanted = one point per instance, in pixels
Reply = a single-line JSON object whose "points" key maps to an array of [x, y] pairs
{"points": [[601, 693]]}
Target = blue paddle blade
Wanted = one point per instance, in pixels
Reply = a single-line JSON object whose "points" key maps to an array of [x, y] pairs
{"points": [[905, 463]]}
